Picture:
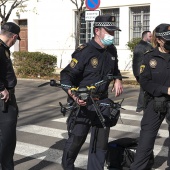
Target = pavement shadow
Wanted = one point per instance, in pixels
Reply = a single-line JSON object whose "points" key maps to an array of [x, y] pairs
{"points": [[159, 159], [49, 157]]}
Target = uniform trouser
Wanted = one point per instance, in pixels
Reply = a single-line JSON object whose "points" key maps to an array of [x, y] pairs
{"points": [[97, 149], [8, 121], [140, 103], [168, 161], [150, 125]]}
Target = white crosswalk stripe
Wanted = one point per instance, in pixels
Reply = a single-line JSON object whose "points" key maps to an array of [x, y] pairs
{"points": [[48, 154], [54, 155]]}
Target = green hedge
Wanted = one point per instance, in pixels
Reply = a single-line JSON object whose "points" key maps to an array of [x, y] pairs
{"points": [[132, 43], [34, 64]]}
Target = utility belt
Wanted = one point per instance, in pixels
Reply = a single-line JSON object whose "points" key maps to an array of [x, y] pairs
{"points": [[160, 104]]}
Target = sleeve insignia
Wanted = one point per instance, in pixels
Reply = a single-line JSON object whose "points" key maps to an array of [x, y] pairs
{"points": [[73, 63], [94, 62], [153, 63], [80, 47], [142, 67], [7, 54], [148, 51]]}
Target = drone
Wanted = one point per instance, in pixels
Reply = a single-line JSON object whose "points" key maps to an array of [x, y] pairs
{"points": [[86, 93]]}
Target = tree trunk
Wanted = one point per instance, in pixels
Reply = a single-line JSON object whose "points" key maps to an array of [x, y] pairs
{"points": [[77, 36]]}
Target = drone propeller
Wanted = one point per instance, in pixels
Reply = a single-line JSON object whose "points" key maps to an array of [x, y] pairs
{"points": [[44, 84]]}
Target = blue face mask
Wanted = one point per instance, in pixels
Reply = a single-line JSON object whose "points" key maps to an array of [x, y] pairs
{"points": [[107, 40]]}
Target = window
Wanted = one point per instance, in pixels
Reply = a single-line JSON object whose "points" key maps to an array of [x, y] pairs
{"points": [[22, 22], [86, 30], [140, 21]]}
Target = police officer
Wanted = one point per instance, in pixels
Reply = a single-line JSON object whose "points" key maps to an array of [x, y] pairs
{"points": [[143, 46], [155, 80], [91, 63], [8, 107]]}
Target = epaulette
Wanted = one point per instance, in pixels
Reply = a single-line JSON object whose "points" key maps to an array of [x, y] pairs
{"points": [[148, 51], [80, 47]]}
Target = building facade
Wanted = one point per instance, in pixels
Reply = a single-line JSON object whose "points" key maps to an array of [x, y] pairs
{"points": [[49, 26]]}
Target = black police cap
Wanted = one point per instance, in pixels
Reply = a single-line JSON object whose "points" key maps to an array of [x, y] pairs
{"points": [[163, 30], [11, 27], [106, 21]]}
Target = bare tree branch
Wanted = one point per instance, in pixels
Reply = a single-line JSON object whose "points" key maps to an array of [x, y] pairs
{"points": [[75, 3], [79, 12], [81, 6], [3, 2], [4, 15]]}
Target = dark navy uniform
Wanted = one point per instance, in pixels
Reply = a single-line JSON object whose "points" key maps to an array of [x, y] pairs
{"points": [[8, 118], [155, 80], [139, 50], [90, 64]]}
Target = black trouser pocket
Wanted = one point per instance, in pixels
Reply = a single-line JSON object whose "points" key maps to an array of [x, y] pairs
{"points": [[3, 105]]}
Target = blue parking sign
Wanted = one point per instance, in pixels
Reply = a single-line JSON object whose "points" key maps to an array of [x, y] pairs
{"points": [[92, 4]]}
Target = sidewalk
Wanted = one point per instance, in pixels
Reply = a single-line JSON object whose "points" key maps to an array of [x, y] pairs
{"points": [[128, 74]]}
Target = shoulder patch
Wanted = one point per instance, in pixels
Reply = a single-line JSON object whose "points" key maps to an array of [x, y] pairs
{"points": [[73, 63], [142, 67], [148, 51], [7, 54], [80, 47]]}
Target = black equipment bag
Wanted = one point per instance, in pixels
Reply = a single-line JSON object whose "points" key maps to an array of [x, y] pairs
{"points": [[121, 153]]}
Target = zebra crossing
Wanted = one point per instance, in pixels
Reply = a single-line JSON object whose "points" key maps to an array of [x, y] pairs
{"points": [[54, 155]]}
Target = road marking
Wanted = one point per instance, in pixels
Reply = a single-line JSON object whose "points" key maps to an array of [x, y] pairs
{"points": [[137, 117], [48, 154], [136, 129], [62, 134], [51, 132], [127, 107]]}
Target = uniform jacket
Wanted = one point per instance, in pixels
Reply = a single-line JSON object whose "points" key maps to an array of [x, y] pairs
{"points": [[138, 53], [7, 76], [155, 73], [91, 63]]}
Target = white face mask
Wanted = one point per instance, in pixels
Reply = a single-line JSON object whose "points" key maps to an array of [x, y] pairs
{"points": [[107, 40]]}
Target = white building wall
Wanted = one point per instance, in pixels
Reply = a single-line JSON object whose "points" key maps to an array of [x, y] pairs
{"points": [[159, 13], [51, 26], [123, 53]]}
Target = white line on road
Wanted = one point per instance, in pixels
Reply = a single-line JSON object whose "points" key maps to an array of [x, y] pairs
{"points": [[48, 154], [62, 134], [51, 132], [123, 127], [137, 117]]}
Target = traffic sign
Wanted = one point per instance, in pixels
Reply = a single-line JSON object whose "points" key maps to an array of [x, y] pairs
{"points": [[92, 4], [91, 15]]}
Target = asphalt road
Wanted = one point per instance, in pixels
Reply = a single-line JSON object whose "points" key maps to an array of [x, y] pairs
{"points": [[41, 128]]}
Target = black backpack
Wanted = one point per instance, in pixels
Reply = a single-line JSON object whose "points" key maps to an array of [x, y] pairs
{"points": [[121, 153]]}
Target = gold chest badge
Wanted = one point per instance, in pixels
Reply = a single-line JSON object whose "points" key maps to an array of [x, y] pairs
{"points": [[153, 63], [94, 62]]}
